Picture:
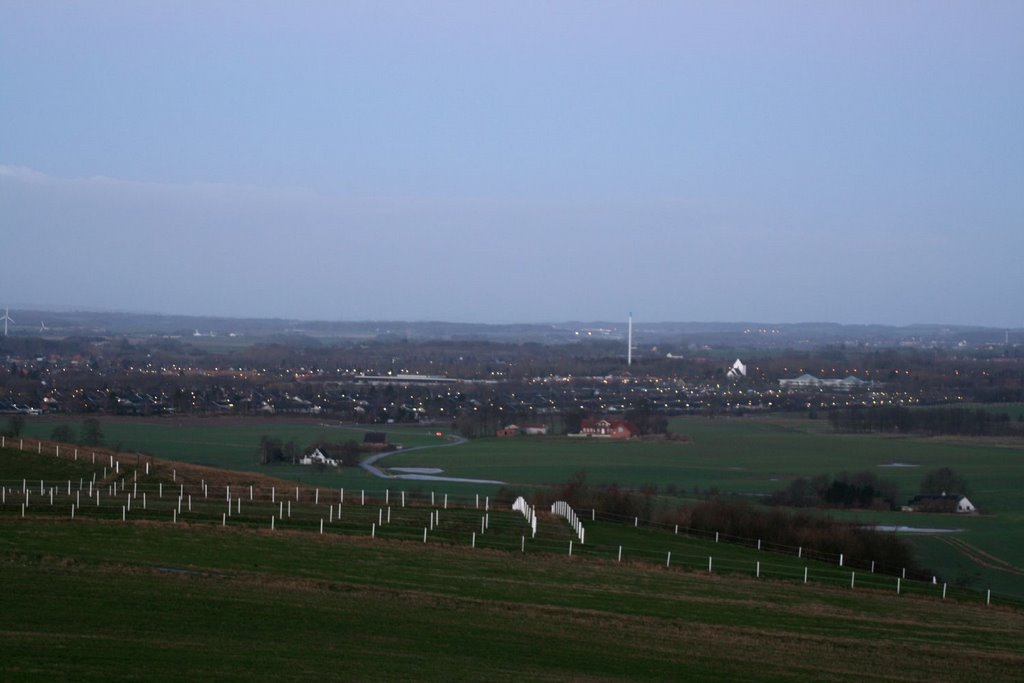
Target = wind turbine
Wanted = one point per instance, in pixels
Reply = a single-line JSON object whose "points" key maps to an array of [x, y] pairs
{"points": [[629, 342], [7, 319], [42, 327]]}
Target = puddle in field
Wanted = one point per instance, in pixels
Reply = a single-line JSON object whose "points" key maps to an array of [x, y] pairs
{"points": [[898, 464], [913, 529]]}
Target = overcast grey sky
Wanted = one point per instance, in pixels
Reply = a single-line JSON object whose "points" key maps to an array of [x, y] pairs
{"points": [[516, 162]]}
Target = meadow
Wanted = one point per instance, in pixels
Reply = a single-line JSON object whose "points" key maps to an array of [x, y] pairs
{"points": [[142, 584], [746, 456]]}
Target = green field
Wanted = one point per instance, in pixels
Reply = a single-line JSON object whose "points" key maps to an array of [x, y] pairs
{"points": [[152, 578], [236, 446], [748, 456], [113, 600]]}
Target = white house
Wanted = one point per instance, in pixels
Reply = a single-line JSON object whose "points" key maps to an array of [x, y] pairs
{"points": [[945, 503], [965, 505], [317, 458], [737, 370]]}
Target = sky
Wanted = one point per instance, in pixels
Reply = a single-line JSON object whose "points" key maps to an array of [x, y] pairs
{"points": [[521, 161]]}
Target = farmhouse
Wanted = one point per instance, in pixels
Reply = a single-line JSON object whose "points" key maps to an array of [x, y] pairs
{"points": [[529, 430], [377, 440], [607, 429], [944, 503], [317, 458]]}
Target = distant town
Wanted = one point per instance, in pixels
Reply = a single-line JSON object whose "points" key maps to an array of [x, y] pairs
{"points": [[485, 379]]}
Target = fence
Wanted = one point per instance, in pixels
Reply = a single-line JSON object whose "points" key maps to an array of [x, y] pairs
{"points": [[114, 491]]}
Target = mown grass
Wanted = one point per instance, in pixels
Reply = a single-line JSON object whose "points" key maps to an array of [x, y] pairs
{"points": [[140, 600]]}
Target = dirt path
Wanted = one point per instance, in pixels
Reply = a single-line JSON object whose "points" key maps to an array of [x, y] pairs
{"points": [[982, 558]]}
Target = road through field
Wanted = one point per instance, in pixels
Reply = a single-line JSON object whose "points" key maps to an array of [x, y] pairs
{"points": [[370, 465]]}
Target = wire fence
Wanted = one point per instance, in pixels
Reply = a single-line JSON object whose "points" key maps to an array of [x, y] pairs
{"points": [[130, 488]]}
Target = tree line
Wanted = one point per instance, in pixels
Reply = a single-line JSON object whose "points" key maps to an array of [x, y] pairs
{"points": [[862, 490], [739, 519], [944, 420], [272, 450]]}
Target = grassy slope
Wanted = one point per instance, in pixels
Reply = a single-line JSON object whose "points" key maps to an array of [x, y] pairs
{"points": [[753, 456], [89, 600], [758, 456]]}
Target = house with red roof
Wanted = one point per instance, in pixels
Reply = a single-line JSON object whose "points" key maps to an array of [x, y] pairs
{"points": [[607, 429]]}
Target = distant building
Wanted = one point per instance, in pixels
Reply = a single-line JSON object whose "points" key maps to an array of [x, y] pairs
{"points": [[737, 370], [805, 381], [529, 430], [375, 440], [953, 502], [607, 429], [317, 458]]}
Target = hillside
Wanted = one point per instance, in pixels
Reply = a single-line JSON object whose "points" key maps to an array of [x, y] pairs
{"points": [[99, 597]]}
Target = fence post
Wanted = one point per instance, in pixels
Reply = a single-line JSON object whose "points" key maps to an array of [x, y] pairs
{"points": [[898, 579], [709, 564], [943, 591], [852, 575], [988, 597], [570, 547], [759, 569], [840, 559], [620, 553], [668, 560], [472, 543]]}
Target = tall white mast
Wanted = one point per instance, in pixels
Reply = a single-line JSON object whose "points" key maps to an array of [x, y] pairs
{"points": [[629, 342], [7, 319]]}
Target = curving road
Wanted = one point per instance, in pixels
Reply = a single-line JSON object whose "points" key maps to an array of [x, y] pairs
{"points": [[370, 464]]}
